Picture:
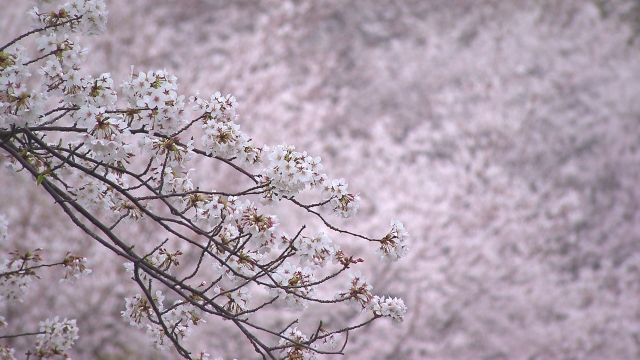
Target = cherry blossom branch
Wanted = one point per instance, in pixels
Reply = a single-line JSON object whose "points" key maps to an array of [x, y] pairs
{"points": [[35, 31], [231, 231]]}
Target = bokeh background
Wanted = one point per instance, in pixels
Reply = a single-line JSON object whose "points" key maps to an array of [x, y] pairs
{"points": [[503, 134]]}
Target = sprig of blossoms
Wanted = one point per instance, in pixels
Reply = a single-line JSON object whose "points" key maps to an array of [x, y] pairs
{"points": [[296, 345], [61, 75], [167, 151], [14, 282], [56, 336], [343, 203], [330, 341], [18, 107], [218, 109], [241, 265], [222, 136], [87, 16], [75, 267], [168, 180], [16, 274], [107, 146], [293, 285], [154, 102], [393, 308], [179, 320], [357, 292], [161, 258], [238, 299], [317, 249], [138, 310], [290, 172], [394, 245], [260, 226]]}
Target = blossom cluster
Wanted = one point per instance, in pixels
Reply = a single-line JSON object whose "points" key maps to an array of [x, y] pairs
{"points": [[152, 315], [296, 345], [293, 286], [393, 308], [394, 245], [260, 226], [93, 14], [14, 280], [18, 106], [154, 94], [317, 250], [342, 202], [290, 172], [222, 135], [358, 292], [55, 336], [239, 299], [75, 267]]}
